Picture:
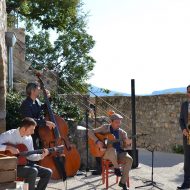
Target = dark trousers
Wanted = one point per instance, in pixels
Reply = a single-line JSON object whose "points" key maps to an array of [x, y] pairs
{"points": [[99, 164], [31, 172], [186, 161]]}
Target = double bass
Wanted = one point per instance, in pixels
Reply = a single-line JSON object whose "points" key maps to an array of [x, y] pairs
{"points": [[63, 165]]}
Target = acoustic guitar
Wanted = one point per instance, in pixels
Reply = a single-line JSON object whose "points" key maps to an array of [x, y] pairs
{"points": [[23, 152], [107, 139]]}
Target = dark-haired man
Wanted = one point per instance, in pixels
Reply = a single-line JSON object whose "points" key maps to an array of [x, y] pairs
{"points": [[32, 107], [115, 153], [30, 172], [185, 127]]}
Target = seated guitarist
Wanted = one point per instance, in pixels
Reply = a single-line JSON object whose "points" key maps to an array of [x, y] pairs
{"points": [[31, 171], [115, 153]]}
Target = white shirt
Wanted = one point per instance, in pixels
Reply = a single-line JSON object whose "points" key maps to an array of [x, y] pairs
{"points": [[13, 136]]}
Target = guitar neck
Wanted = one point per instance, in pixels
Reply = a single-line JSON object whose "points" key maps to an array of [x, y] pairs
{"points": [[39, 151], [114, 141]]}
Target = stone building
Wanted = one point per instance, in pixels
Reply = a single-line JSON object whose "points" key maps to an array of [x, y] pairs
{"points": [[3, 62], [21, 72]]}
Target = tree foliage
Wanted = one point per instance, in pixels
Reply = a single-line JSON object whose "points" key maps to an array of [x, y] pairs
{"points": [[48, 13], [69, 55], [39, 50]]}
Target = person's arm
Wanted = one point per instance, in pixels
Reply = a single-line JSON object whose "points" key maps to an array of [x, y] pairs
{"points": [[182, 121], [91, 133], [33, 157], [43, 107], [125, 138], [182, 118], [4, 138]]}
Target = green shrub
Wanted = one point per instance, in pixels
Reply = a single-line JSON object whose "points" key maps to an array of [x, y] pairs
{"points": [[13, 117], [59, 106], [178, 149]]}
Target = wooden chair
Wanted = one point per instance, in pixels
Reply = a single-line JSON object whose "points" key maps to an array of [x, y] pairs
{"points": [[19, 179], [108, 169]]}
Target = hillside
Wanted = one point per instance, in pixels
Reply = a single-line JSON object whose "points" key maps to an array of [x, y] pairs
{"points": [[101, 92]]}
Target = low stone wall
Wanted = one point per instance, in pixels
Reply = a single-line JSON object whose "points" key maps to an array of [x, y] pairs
{"points": [[157, 116]]}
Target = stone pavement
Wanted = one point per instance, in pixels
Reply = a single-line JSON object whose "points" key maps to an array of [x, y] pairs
{"points": [[168, 173]]}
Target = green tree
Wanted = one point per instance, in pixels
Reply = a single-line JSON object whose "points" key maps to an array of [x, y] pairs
{"points": [[73, 47], [48, 13], [69, 55], [39, 50]]}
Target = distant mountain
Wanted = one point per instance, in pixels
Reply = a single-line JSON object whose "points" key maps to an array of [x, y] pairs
{"points": [[101, 92], [170, 91]]}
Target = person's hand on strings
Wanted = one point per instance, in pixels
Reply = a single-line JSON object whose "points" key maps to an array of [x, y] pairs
{"points": [[100, 145], [185, 132], [45, 153], [50, 124]]}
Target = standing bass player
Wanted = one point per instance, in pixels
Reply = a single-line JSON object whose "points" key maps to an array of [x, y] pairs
{"points": [[32, 107]]}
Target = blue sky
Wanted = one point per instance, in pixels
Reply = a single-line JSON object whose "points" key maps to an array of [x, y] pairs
{"points": [[148, 40]]}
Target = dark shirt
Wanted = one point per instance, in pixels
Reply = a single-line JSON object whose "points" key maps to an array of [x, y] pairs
{"points": [[33, 110], [183, 120], [116, 145]]}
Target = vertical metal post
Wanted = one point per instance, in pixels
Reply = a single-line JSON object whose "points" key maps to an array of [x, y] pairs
{"points": [[10, 42], [133, 110], [95, 111], [133, 113], [10, 68], [87, 127]]}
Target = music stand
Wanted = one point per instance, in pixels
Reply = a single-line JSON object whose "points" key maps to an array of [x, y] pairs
{"points": [[150, 182], [87, 127], [86, 138]]}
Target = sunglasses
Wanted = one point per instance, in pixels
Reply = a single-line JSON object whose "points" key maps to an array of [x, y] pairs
{"points": [[188, 92]]}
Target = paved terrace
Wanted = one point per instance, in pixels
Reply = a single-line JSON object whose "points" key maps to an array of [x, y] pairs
{"points": [[168, 173]]}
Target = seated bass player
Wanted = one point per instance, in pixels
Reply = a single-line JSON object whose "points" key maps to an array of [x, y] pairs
{"points": [[30, 171], [115, 153]]}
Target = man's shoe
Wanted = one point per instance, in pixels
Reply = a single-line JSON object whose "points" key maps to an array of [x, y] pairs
{"points": [[123, 186], [184, 186], [117, 172]]}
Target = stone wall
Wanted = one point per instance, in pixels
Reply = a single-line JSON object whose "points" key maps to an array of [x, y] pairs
{"points": [[158, 116], [3, 61]]}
